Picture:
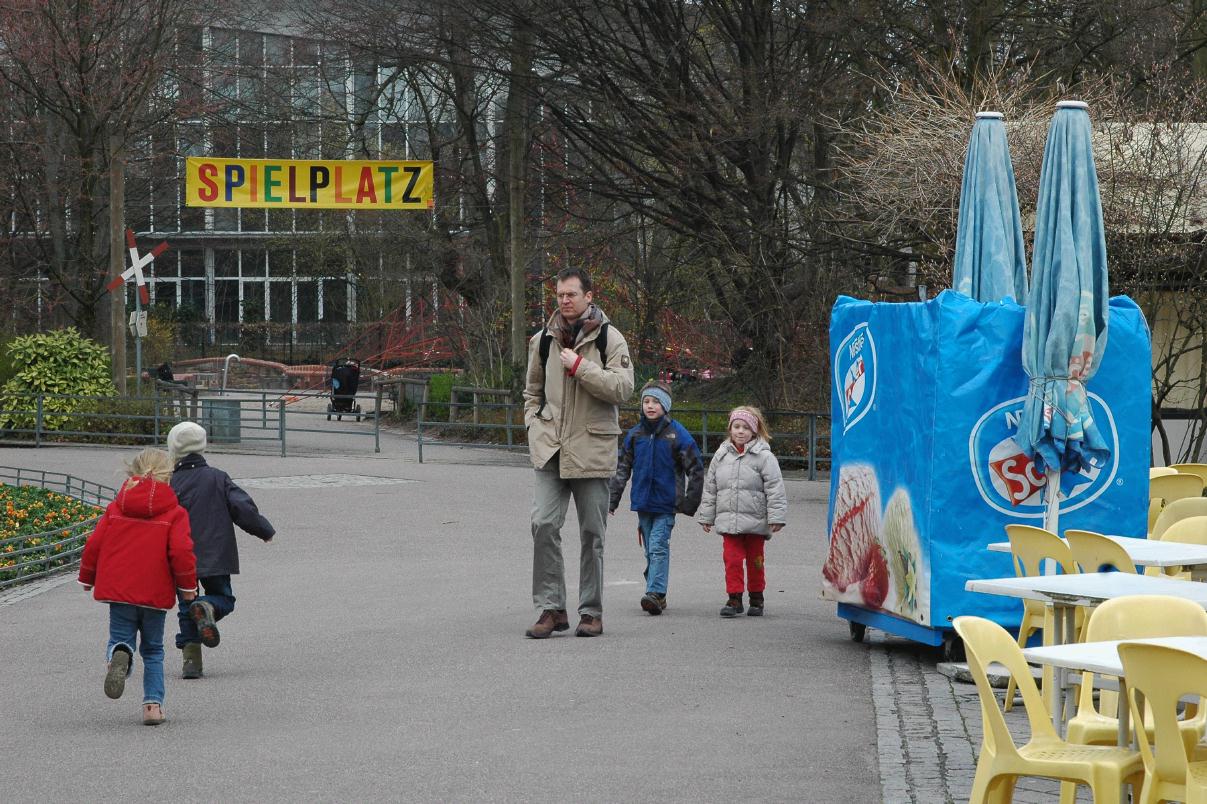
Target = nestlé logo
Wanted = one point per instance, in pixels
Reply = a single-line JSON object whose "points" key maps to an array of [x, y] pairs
{"points": [[855, 375], [1008, 479]]}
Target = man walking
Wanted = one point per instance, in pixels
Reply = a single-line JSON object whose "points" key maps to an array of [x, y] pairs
{"points": [[579, 371]]}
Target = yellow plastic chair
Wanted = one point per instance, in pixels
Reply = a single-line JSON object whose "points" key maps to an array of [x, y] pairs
{"points": [[1001, 761], [1191, 530], [1197, 469], [1131, 617], [1030, 547], [1178, 510], [1166, 489], [1173, 772], [1158, 471], [1093, 551]]}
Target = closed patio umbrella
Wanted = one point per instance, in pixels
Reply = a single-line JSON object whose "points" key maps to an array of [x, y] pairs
{"points": [[1066, 325], [990, 262]]}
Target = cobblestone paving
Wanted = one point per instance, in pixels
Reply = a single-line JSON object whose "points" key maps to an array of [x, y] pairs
{"points": [[27, 590], [928, 729]]}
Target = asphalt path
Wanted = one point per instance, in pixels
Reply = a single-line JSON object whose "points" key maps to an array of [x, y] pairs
{"points": [[377, 654]]}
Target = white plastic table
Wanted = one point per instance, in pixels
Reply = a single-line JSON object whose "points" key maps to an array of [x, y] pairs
{"points": [[1064, 593], [1103, 658], [1152, 553]]}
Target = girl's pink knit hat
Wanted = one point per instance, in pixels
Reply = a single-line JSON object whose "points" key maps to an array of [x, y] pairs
{"points": [[746, 418]]}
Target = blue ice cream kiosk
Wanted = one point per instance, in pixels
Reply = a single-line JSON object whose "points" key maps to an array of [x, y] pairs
{"points": [[926, 399]]}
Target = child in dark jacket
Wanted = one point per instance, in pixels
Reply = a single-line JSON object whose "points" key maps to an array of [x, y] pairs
{"points": [[668, 477], [215, 505], [137, 560]]}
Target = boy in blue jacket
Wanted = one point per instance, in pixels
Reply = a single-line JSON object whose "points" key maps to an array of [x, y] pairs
{"points": [[215, 505], [668, 478]]}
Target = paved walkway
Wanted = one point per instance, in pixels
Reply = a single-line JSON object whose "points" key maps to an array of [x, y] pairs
{"points": [[377, 654]]}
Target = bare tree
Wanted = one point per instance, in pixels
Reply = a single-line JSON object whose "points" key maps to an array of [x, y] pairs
{"points": [[80, 81]]}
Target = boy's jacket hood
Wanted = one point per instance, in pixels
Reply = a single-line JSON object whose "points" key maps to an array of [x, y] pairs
{"points": [[145, 498]]}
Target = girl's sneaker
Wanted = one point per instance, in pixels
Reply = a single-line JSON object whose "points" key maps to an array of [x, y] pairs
{"points": [[733, 607], [152, 714], [115, 676], [756, 605]]}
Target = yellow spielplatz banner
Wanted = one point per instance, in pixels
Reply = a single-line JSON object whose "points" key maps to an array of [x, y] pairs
{"points": [[308, 184]]}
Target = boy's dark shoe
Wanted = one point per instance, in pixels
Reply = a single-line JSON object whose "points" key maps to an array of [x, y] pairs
{"points": [[550, 620], [652, 603], [756, 605], [192, 660], [662, 602], [589, 626], [115, 676], [733, 607], [202, 613]]}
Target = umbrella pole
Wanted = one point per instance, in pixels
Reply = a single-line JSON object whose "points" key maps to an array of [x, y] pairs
{"points": [[1052, 515]]}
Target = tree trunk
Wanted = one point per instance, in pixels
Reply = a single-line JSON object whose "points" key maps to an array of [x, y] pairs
{"points": [[517, 146], [117, 262]]}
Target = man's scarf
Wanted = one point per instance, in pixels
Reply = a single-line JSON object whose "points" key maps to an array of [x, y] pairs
{"points": [[567, 334]]}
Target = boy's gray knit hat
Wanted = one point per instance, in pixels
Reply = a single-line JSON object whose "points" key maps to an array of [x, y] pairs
{"points": [[658, 391], [185, 438]]}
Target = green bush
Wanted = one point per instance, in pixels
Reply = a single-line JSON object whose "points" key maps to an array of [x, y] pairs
{"points": [[439, 394], [59, 362]]}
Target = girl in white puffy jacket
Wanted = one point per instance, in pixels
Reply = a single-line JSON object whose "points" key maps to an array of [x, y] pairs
{"points": [[744, 499]]}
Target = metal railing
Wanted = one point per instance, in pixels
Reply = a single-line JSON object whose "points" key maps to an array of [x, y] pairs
{"points": [[244, 417], [799, 436], [35, 555]]}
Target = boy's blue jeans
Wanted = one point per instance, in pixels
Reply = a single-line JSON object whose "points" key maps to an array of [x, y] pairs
{"points": [[131, 626], [656, 535], [218, 593]]}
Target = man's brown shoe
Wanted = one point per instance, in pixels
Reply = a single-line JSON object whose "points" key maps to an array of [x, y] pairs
{"points": [[589, 626], [550, 620]]}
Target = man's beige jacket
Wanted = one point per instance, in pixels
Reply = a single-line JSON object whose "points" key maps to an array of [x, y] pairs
{"points": [[577, 415]]}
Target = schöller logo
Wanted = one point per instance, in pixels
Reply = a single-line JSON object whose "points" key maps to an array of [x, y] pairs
{"points": [[1008, 480], [855, 375]]}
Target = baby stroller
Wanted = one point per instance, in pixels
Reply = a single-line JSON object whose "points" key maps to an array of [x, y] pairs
{"points": [[345, 377]]}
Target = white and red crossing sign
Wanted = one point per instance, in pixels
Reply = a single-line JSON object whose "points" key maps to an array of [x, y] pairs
{"points": [[135, 270]]}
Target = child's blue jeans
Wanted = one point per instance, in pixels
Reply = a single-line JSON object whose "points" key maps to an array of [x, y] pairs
{"points": [[131, 626], [218, 593], [656, 534]]}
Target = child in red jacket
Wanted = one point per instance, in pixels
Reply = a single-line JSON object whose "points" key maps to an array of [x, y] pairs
{"points": [[137, 558]]}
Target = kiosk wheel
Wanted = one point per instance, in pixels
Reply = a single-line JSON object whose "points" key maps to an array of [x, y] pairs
{"points": [[953, 649], [857, 630]]}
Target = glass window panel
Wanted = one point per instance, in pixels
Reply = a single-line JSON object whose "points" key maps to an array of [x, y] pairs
{"points": [[192, 300], [226, 300], [226, 219], [253, 220], [251, 48], [305, 51], [252, 264], [280, 297], [222, 45], [309, 220], [306, 140], [251, 89], [280, 142], [192, 263], [335, 300], [226, 264], [138, 205], [280, 263], [253, 301], [308, 89], [276, 49], [308, 301], [280, 220], [251, 141]]}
